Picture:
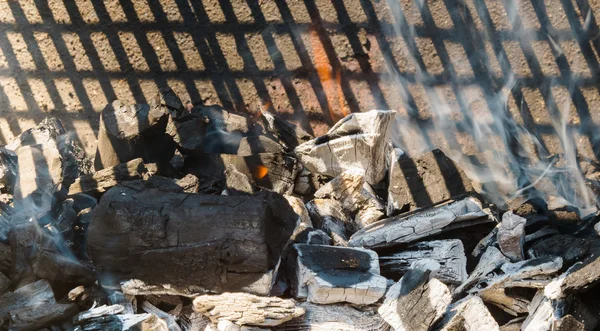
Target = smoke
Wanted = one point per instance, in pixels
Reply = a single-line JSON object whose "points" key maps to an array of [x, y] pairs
{"points": [[474, 126]]}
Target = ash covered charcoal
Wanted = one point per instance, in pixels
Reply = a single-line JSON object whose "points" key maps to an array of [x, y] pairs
{"points": [[357, 142], [423, 181], [326, 274], [468, 314], [357, 197], [511, 236], [247, 309], [335, 317], [129, 132], [449, 256], [289, 134], [162, 237], [422, 224], [33, 294], [415, 302]]}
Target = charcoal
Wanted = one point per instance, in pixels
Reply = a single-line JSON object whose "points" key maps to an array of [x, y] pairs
{"points": [[313, 237], [189, 183], [335, 317], [415, 302], [423, 181], [307, 182], [40, 316], [357, 197], [237, 183], [327, 274], [421, 224], [275, 172], [448, 254], [102, 180], [168, 99], [129, 132], [511, 236], [571, 249], [258, 144], [37, 293], [161, 237], [168, 318], [36, 254], [124, 322], [247, 309], [4, 283], [358, 141], [329, 216], [8, 170], [5, 259], [291, 135]]}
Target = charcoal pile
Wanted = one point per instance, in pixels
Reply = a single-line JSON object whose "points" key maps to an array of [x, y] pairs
{"points": [[207, 219]]}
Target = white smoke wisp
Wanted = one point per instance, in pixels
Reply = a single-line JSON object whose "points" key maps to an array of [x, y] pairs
{"points": [[509, 161]]}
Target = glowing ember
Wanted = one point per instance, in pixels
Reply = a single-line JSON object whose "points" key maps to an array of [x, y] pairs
{"points": [[260, 172]]}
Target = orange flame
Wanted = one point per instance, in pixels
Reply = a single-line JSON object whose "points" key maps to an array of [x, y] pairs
{"points": [[325, 73], [260, 172]]}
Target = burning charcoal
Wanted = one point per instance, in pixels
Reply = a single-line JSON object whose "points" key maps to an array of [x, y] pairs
{"points": [[258, 144], [357, 197], [37, 293], [530, 273], [448, 254], [468, 314], [335, 317], [275, 172], [8, 170], [40, 316], [327, 274], [421, 224], [37, 255], [247, 309], [511, 236], [168, 318], [124, 322], [358, 141], [415, 302], [161, 237], [131, 132], [101, 181], [237, 183], [290, 134], [423, 181]]}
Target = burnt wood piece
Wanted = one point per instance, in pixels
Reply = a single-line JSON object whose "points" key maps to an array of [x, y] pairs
{"points": [[162, 237], [448, 254], [358, 141], [327, 274], [511, 236], [247, 309], [423, 181], [275, 172], [290, 135], [8, 170], [335, 317], [415, 302], [101, 181], [422, 224], [469, 314], [37, 254], [129, 132], [40, 316], [36, 293], [357, 197]]}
